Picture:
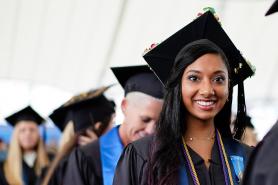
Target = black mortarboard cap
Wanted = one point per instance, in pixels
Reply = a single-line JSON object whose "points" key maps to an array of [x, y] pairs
{"points": [[25, 114], [162, 57], [139, 79], [273, 8], [84, 109]]}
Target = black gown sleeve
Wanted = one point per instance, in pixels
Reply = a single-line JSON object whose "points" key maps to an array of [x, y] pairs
{"points": [[83, 166], [59, 173], [262, 167], [132, 166]]}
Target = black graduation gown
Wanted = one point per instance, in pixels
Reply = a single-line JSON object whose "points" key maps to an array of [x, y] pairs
{"points": [[84, 166], [262, 167], [133, 164], [3, 180], [29, 173], [58, 175]]}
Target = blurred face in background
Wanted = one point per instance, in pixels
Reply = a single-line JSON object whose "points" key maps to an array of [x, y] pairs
{"points": [[141, 112], [249, 137], [28, 135]]}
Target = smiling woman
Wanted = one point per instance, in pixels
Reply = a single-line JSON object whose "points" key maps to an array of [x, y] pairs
{"points": [[205, 86], [193, 144]]}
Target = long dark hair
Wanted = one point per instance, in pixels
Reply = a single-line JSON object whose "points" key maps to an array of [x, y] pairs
{"points": [[164, 161]]}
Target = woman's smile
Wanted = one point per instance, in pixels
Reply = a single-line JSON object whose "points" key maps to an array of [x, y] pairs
{"points": [[205, 105]]}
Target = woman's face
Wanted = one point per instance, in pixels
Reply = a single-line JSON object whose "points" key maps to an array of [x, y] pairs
{"points": [[205, 87], [28, 135]]}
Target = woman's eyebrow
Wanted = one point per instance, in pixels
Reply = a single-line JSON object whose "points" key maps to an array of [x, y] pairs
{"points": [[220, 71], [193, 71]]}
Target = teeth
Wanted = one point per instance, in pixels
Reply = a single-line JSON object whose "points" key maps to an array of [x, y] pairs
{"points": [[205, 103]]}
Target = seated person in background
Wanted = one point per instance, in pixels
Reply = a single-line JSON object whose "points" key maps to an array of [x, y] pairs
{"points": [[249, 136], [26, 154], [85, 117], [95, 163]]}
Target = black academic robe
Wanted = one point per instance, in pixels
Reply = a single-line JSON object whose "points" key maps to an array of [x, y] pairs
{"points": [[57, 177], [84, 166], [59, 173], [262, 167], [29, 174], [3, 180], [132, 167]]}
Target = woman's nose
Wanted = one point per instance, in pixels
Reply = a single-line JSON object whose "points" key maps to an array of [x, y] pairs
{"points": [[207, 89]]}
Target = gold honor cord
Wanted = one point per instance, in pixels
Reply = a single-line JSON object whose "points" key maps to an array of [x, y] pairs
{"points": [[222, 151], [192, 168], [226, 158]]}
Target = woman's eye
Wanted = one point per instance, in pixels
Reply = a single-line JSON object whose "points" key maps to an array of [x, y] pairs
{"points": [[192, 78], [219, 79]]}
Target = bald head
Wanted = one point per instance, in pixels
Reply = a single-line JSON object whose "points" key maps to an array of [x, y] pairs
{"points": [[137, 98], [141, 112]]}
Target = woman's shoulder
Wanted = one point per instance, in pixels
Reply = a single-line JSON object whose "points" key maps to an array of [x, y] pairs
{"points": [[90, 148], [87, 155], [238, 143], [237, 147]]}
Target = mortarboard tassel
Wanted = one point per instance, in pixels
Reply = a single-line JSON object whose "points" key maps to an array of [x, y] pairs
{"points": [[241, 112]]}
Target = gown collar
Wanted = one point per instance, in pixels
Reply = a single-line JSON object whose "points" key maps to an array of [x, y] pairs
{"points": [[30, 158], [198, 160]]}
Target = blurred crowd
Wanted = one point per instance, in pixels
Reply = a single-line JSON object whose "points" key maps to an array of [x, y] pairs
{"points": [[177, 126]]}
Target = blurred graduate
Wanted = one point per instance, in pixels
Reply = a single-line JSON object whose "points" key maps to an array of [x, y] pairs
{"points": [[26, 154], [83, 119], [95, 163]]}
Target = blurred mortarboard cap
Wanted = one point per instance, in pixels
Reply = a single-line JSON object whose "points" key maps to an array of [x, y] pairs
{"points": [[84, 109], [25, 114], [161, 58], [273, 8], [139, 79]]}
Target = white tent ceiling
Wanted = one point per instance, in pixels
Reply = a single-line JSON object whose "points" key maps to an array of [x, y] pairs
{"points": [[70, 44]]}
